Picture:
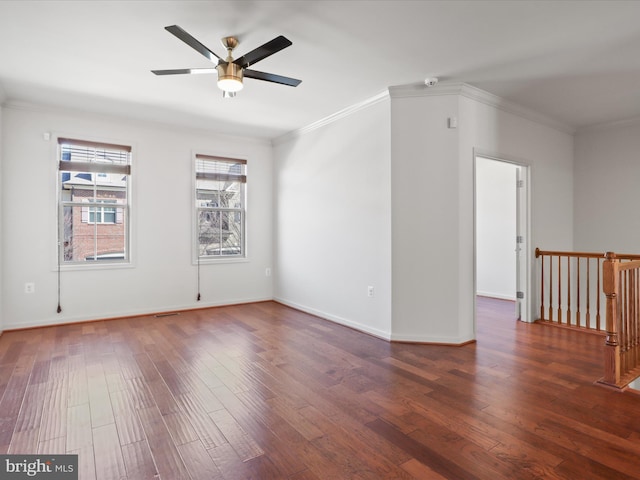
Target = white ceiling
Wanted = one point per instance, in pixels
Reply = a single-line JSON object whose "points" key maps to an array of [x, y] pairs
{"points": [[575, 61]]}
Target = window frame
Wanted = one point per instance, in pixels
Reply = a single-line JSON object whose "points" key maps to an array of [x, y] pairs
{"points": [[121, 206], [197, 209]]}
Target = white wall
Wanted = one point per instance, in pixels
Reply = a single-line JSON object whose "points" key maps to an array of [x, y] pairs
{"points": [[495, 229], [163, 276], [433, 205], [607, 193], [333, 228]]}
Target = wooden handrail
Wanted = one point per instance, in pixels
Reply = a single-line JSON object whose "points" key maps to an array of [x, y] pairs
{"points": [[557, 253]]}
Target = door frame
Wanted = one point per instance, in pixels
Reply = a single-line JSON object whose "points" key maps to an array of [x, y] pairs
{"points": [[524, 257]]}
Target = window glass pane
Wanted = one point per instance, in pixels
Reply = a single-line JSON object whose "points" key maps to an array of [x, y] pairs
{"points": [[67, 233], [207, 198], [110, 242], [232, 233], [231, 197], [84, 240], [209, 234]]}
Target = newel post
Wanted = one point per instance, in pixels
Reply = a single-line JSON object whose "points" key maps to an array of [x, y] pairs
{"points": [[612, 348]]}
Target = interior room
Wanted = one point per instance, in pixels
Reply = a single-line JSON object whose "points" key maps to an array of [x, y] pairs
{"points": [[211, 269]]}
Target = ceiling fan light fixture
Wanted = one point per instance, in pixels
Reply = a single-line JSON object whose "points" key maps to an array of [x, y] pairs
{"points": [[231, 72], [229, 77]]}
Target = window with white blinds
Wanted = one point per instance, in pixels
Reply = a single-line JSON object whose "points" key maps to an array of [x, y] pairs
{"points": [[220, 189], [94, 204]]}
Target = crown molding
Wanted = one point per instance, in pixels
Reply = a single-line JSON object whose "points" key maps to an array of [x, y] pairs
{"points": [[481, 96], [140, 122], [421, 90], [613, 125], [384, 95], [508, 106]]}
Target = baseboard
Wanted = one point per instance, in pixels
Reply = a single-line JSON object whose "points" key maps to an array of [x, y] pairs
{"points": [[499, 296], [388, 336], [336, 319], [384, 335], [54, 322], [432, 340]]}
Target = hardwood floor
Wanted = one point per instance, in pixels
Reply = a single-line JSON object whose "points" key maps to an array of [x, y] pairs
{"points": [[262, 391]]}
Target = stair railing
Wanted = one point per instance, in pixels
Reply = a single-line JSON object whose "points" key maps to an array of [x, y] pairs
{"points": [[570, 289], [621, 285], [599, 293]]}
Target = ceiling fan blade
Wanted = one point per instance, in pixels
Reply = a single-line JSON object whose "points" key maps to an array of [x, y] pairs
{"points": [[180, 71], [263, 51], [271, 77], [193, 43]]}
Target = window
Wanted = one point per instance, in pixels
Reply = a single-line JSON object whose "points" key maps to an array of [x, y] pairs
{"points": [[102, 214], [93, 184], [220, 206]]}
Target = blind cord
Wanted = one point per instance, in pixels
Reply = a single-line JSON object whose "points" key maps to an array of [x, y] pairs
{"points": [[59, 309], [198, 297]]}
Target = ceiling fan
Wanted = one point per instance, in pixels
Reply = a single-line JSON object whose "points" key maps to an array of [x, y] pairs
{"points": [[231, 72]]}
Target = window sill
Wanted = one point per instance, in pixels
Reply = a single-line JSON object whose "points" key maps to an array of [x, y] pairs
{"points": [[214, 261], [94, 266]]}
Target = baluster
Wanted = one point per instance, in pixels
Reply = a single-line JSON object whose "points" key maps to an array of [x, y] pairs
{"points": [[588, 314], [598, 295], [559, 290], [636, 321], [623, 336], [632, 318], [628, 336], [541, 286], [578, 292], [627, 330], [568, 290], [550, 288], [636, 342]]}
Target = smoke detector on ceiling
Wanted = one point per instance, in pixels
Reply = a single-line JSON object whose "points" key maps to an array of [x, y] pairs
{"points": [[431, 81]]}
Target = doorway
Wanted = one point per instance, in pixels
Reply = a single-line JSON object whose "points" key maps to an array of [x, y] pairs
{"points": [[501, 232]]}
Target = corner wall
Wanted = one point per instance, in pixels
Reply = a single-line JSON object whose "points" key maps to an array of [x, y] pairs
{"points": [[162, 276], [425, 220], [433, 201], [333, 229]]}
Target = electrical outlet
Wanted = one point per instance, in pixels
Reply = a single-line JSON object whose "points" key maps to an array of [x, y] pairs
{"points": [[29, 287], [369, 291], [267, 272]]}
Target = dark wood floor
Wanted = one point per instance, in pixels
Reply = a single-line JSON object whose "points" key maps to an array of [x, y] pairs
{"points": [[262, 391]]}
